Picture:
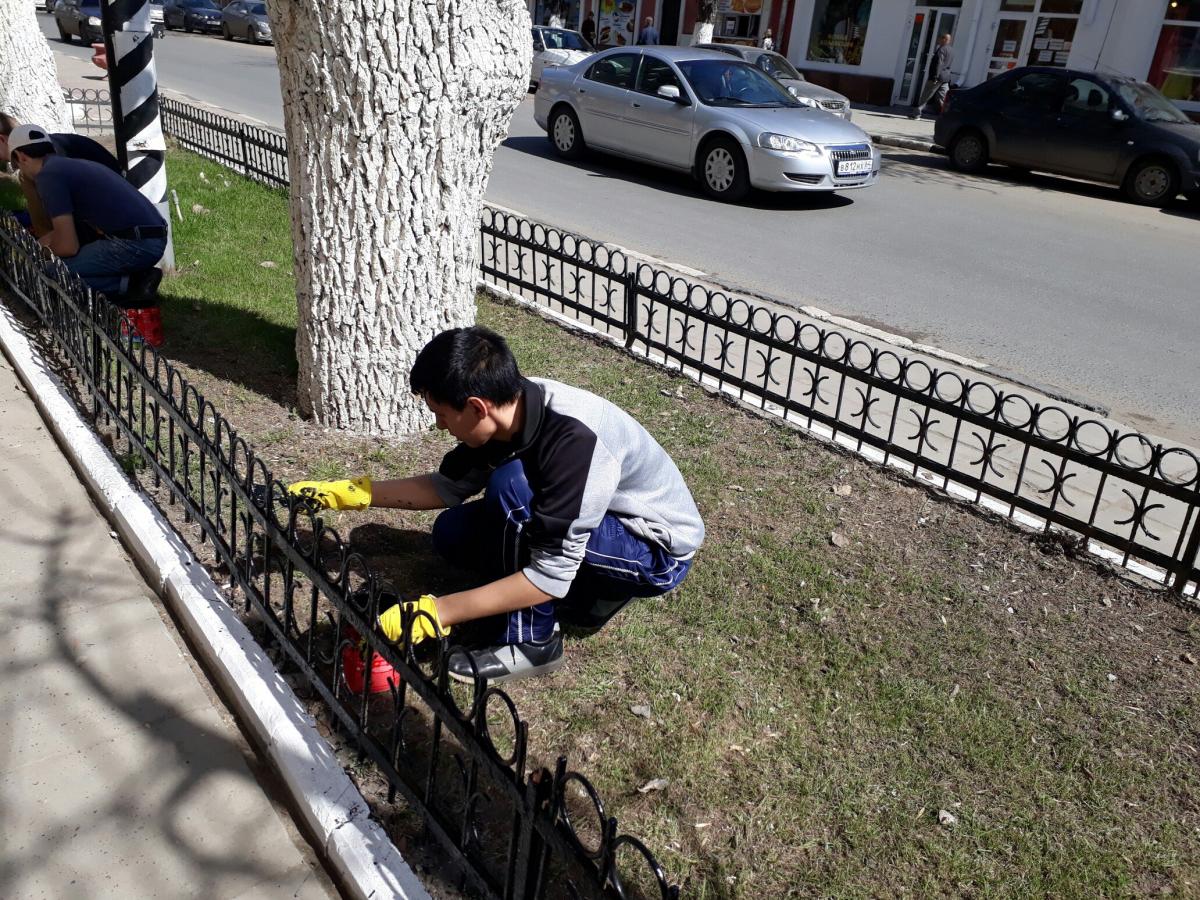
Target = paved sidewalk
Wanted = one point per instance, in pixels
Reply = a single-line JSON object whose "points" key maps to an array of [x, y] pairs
{"points": [[121, 775], [893, 128]]}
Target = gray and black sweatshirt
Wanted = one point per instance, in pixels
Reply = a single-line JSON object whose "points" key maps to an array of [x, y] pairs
{"points": [[583, 457]]}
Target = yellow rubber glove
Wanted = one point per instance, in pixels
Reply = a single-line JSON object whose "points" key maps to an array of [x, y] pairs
{"points": [[347, 494], [390, 621]]}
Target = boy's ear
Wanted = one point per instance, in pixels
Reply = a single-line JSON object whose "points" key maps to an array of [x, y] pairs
{"points": [[479, 405]]}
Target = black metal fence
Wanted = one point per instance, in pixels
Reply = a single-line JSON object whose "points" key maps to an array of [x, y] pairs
{"points": [[1133, 500], [457, 754]]}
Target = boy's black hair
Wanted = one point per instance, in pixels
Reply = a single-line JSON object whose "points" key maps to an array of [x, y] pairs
{"points": [[34, 151], [466, 362]]}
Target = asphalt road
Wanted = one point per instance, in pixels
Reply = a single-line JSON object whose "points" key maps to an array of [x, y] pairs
{"points": [[1058, 282]]}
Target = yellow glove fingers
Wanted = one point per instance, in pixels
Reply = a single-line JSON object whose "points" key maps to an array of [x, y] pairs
{"points": [[345, 494], [425, 623]]}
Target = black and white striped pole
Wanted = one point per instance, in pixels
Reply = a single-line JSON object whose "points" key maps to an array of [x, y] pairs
{"points": [[133, 87]]}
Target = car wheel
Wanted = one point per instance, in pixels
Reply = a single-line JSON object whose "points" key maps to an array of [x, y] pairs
{"points": [[723, 171], [565, 133], [1151, 182], [968, 151], [187, 27], [225, 32]]}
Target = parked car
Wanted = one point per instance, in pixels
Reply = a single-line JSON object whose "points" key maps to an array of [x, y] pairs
{"points": [[156, 18], [699, 111], [79, 18], [192, 15], [557, 47], [1101, 127], [778, 67], [246, 19]]}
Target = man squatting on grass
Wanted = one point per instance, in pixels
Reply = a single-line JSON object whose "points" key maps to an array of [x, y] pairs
{"points": [[101, 227], [582, 509]]}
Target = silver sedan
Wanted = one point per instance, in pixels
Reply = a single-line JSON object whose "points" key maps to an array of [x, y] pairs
{"points": [[699, 111]]}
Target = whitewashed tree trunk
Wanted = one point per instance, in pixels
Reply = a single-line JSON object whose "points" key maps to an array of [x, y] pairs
{"points": [[703, 33], [29, 88], [394, 109]]}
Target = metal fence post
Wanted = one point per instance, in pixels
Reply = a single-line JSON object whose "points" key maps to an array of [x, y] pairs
{"points": [[241, 133], [1189, 559], [631, 289]]}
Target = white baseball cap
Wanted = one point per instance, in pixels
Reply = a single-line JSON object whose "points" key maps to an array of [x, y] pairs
{"points": [[26, 136]]}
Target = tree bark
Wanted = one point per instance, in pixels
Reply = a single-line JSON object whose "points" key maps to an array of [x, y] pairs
{"points": [[703, 33], [29, 88], [393, 110]]}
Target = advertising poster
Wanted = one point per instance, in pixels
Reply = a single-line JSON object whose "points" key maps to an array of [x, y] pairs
{"points": [[615, 27]]}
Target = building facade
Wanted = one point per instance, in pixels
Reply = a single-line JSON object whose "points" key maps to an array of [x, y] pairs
{"points": [[879, 49]]}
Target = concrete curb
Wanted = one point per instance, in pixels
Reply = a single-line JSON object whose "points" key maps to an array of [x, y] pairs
{"points": [[331, 806], [887, 140]]}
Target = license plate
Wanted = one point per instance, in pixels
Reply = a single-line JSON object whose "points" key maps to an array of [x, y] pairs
{"points": [[853, 167]]}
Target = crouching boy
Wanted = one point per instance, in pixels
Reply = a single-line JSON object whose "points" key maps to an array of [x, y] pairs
{"points": [[581, 512]]}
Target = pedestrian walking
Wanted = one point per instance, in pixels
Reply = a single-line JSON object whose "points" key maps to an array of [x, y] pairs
{"points": [[768, 42], [649, 35], [588, 30], [938, 82]]}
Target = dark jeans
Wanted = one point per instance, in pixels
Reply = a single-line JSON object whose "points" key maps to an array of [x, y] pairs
{"points": [[487, 536], [107, 264]]}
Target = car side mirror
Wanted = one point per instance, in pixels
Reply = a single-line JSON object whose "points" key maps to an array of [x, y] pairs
{"points": [[1119, 115], [671, 92], [538, 47]]}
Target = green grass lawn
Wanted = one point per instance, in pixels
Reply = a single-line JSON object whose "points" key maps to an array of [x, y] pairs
{"points": [[942, 706]]}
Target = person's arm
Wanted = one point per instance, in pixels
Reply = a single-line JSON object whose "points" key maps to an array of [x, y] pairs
{"points": [[510, 593], [62, 238], [416, 492]]}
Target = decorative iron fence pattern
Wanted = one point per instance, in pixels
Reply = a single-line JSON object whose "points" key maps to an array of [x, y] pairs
{"points": [[1136, 501], [458, 754], [90, 109]]}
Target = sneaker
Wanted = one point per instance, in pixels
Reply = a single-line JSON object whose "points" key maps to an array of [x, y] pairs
{"points": [[508, 662]]}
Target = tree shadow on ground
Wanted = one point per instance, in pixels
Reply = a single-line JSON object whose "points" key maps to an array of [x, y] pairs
{"points": [[54, 640], [232, 344]]}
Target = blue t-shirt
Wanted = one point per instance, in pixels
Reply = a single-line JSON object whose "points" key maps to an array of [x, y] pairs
{"points": [[76, 146], [94, 195]]}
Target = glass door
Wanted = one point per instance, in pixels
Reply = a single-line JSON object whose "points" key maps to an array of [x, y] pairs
{"points": [[1011, 44], [928, 25]]}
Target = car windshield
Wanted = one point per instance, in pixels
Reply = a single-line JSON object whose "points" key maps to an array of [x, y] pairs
{"points": [[561, 39], [777, 66], [257, 9], [733, 83], [201, 4], [1148, 104]]}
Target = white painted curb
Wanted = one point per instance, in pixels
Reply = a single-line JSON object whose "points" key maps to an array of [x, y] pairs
{"points": [[370, 866]]}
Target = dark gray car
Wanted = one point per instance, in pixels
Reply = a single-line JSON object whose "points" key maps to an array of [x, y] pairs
{"points": [[192, 15], [246, 19], [1083, 124]]}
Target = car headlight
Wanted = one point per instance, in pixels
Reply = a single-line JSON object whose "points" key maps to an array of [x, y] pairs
{"points": [[787, 144], [807, 101], [94, 21]]}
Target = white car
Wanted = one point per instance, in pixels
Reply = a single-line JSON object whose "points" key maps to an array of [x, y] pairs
{"points": [[556, 47]]}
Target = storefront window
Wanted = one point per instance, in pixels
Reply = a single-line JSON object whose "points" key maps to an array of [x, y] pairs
{"points": [[1184, 10], [839, 30], [1176, 67]]}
